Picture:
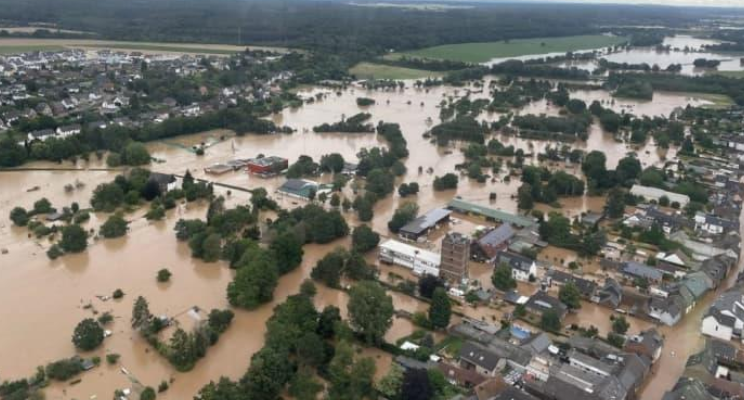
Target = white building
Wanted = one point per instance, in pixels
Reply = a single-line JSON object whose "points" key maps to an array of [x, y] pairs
{"points": [[419, 260], [652, 193]]}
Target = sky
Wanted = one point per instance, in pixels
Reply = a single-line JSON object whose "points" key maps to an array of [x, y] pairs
{"points": [[703, 3]]}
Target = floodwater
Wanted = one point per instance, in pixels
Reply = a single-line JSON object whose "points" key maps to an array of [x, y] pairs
{"points": [[54, 294]]}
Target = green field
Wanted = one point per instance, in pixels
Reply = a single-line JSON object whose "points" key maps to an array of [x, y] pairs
{"points": [[367, 70], [163, 48], [730, 74], [26, 49], [482, 52]]}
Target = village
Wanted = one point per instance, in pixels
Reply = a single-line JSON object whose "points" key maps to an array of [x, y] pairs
{"points": [[625, 289]]}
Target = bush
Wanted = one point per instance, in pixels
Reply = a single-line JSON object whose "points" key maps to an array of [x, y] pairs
{"points": [[63, 370], [114, 227], [19, 216], [118, 294], [112, 358], [54, 252], [164, 275], [74, 239], [364, 239], [148, 394]]}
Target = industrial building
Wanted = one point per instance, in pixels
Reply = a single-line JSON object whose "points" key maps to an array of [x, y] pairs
{"points": [[418, 260]]}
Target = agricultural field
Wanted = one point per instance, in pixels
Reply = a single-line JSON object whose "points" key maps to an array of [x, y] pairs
{"points": [[367, 70], [14, 45], [482, 52]]}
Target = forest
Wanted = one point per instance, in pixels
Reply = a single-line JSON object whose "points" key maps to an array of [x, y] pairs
{"points": [[329, 26]]}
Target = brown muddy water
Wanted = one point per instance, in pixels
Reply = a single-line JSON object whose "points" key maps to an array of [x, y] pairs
{"points": [[45, 299]]}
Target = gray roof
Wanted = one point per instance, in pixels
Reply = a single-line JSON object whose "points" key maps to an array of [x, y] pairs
{"points": [[512, 393], [497, 236], [586, 287], [688, 389], [478, 355], [426, 221], [723, 319], [641, 270], [514, 260], [537, 343], [611, 293], [542, 302]]}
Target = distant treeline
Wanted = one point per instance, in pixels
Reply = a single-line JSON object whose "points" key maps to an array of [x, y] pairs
{"points": [[328, 26]]}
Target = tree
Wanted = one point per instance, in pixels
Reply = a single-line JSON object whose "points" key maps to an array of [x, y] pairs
{"points": [[594, 167], [615, 205], [333, 162], [19, 216], [311, 349], [350, 379], [115, 226], [211, 248], [502, 278], [164, 275], [628, 168], [403, 215], [570, 295], [88, 335], [304, 387], [254, 282], [390, 384], [329, 317], [135, 154], [107, 197], [364, 239], [620, 325], [330, 268], [550, 321], [12, 154], [43, 206], [141, 315], [287, 251], [446, 182], [416, 385], [74, 239], [370, 311], [268, 373], [525, 201], [427, 284], [440, 310]]}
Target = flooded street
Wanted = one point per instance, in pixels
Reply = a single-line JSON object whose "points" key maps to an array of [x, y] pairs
{"points": [[46, 299]]}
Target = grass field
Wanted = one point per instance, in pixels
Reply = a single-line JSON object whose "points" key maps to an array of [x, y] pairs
{"points": [[482, 52], [367, 70], [730, 74], [17, 49], [16, 45], [718, 100]]}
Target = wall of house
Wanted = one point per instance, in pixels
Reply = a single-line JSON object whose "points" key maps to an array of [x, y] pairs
{"points": [[711, 327]]}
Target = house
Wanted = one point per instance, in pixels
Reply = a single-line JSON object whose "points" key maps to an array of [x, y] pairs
{"points": [[462, 377], [540, 302], [591, 219], [718, 325], [717, 268], [610, 295], [418, 260], [634, 270], [165, 182], [523, 268], [486, 248], [714, 225], [725, 317], [512, 393], [667, 310], [648, 343], [586, 287], [652, 193], [473, 356], [68, 130], [424, 224], [688, 389], [42, 134]]}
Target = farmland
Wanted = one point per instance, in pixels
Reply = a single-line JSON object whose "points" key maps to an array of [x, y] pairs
{"points": [[482, 52], [367, 70]]}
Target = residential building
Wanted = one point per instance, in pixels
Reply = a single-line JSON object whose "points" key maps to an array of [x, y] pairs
{"points": [[523, 268], [455, 257], [540, 302]]}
